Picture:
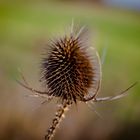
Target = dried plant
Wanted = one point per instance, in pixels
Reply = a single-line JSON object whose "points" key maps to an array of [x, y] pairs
{"points": [[71, 71]]}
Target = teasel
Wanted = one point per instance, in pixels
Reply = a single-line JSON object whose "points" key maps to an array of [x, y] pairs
{"points": [[71, 72]]}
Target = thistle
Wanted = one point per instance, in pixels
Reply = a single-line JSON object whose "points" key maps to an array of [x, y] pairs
{"points": [[71, 72]]}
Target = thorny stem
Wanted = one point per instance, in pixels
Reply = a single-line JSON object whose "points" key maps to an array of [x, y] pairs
{"points": [[57, 119]]}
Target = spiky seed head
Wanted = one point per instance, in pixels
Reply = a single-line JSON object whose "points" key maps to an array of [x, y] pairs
{"points": [[71, 69]]}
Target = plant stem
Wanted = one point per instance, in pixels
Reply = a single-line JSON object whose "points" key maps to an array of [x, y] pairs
{"points": [[57, 119]]}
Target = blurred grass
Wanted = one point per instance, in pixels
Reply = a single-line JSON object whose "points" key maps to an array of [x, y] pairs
{"points": [[24, 29]]}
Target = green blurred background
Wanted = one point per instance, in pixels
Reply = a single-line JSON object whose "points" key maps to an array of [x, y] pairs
{"points": [[25, 28]]}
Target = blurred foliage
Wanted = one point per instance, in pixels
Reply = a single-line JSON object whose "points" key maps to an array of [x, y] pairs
{"points": [[24, 31]]}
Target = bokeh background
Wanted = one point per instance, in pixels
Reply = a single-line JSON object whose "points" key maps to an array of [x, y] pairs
{"points": [[26, 26]]}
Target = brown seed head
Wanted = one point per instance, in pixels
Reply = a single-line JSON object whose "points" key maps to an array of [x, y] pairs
{"points": [[69, 71]]}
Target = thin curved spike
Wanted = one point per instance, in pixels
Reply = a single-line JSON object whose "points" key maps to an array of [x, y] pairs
{"points": [[31, 89], [93, 109], [94, 95], [111, 98], [22, 76], [99, 80], [81, 31], [72, 25], [103, 56]]}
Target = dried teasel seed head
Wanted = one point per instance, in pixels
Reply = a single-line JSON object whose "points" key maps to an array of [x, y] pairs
{"points": [[71, 69]]}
